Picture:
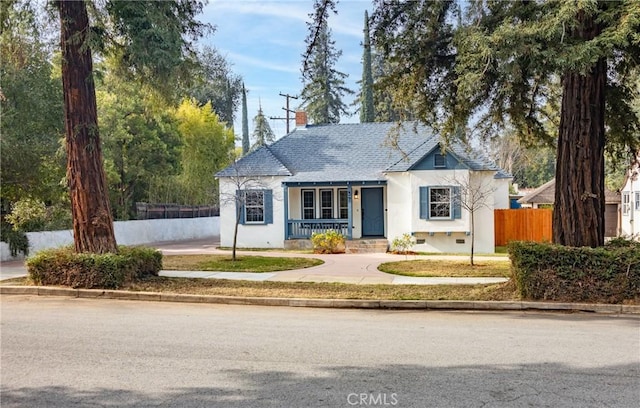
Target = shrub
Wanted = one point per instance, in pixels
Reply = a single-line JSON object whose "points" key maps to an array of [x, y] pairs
{"points": [[609, 274], [330, 242], [403, 244], [63, 266]]}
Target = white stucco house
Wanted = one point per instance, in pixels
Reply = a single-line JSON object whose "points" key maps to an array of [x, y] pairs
{"points": [[630, 205], [355, 179]]}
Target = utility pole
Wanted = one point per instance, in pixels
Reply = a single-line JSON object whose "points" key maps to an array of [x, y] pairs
{"points": [[287, 110]]}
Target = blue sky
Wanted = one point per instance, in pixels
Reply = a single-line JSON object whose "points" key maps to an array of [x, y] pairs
{"points": [[264, 42]]}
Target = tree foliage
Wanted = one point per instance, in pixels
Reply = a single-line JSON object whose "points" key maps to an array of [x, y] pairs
{"points": [[262, 132], [31, 121], [323, 84], [206, 148], [140, 140], [367, 112], [496, 63], [215, 82]]}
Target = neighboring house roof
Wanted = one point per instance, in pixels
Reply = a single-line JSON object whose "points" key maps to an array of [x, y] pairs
{"points": [[353, 152], [545, 194]]}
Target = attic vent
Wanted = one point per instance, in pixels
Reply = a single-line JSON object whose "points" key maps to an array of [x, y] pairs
{"points": [[439, 161]]}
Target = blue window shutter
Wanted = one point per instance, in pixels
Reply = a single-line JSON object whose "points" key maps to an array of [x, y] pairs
{"points": [[457, 204], [240, 206], [268, 206], [424, 203]]}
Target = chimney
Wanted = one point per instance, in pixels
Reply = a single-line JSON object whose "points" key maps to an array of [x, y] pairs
{"points": [[301, 119]]}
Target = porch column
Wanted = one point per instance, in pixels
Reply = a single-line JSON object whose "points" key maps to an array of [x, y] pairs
{"points": [[286, 211], [349, 213]]}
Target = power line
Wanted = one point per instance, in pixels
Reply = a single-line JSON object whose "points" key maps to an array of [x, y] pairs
{"points": [[287, 110]]}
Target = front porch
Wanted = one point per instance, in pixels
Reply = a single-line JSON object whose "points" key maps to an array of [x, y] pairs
{"points": [[354, 209]]}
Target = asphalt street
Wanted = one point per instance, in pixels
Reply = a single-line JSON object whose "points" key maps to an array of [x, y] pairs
{"points": [[68, 352]]}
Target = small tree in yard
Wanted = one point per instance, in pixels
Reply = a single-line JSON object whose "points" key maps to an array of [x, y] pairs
{"points": [[241, 182], [475, 193]]}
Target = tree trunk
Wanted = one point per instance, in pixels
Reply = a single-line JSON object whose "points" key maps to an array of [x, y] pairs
{"points": [[92, 220], [578, 216]]}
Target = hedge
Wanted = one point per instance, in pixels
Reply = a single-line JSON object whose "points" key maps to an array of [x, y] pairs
{"points": [[65, 267], [610, 274]]}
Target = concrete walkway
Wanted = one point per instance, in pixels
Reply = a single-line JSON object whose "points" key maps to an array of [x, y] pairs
{"points": [[344, 268]]}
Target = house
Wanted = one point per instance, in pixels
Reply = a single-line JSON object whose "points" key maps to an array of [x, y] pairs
{"points": [[630, 202], [364, 183], [544, 197]]}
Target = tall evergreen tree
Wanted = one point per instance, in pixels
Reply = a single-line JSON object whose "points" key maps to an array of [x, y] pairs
{"points": [[323, 84], [153, 45], [498, 64], [245, 123], [367, 109], [262, 133], [215, 82]]}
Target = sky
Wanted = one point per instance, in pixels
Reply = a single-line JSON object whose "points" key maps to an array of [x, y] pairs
{"points": [[264, 42]]}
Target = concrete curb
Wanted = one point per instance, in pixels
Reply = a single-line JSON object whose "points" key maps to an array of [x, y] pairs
{"points": [[323, 303]]}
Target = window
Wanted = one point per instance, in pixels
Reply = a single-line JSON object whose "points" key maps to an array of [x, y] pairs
{"points": [[343, 204], [326, 204], [308, 204], [440, 203], [637, 203], [626, 204], [439, 161], [255, 206]]}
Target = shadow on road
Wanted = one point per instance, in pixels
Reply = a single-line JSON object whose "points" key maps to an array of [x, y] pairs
{"points": [[389, 385]]}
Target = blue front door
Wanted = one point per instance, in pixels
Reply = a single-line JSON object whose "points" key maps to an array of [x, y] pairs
{"points": [[372, 212]]}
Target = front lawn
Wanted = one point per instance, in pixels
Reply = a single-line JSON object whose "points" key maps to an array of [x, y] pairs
{"points": [[244, 263], [447, 268]]}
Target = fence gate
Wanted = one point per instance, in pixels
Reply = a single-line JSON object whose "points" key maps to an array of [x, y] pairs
{"points": [[523, 224]]}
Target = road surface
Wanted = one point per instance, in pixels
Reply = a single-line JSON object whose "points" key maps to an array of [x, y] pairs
{"points": [[66, 352]]}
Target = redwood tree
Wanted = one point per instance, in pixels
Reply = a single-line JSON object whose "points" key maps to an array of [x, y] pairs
{"points": [[150, 40], [92, 220], [491, 65]]}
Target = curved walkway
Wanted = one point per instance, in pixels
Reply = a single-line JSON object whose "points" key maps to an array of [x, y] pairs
{"points": [[343, 268]]}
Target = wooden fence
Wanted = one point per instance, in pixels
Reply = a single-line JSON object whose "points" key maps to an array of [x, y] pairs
{"points": [[523, 224]]}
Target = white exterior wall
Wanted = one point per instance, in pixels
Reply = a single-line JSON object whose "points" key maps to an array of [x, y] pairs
{"points": [[439, 235], [252, 235], [501, 195], [630, 216], [135, 232]]}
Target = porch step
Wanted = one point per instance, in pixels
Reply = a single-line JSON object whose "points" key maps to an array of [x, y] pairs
{"points": [[366, 246]]}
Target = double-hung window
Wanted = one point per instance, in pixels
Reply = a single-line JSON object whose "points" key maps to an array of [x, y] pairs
{"points": [[440, 203], [254, 206], [308, 204], [343, 204], [326, 204]]}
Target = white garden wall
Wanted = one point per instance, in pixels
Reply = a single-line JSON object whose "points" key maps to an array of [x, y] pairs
{"points": [[136, 232]]}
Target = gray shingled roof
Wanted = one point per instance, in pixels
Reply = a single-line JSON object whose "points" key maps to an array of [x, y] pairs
{"points": [[350, 152], [546, 194], [260, 162]]}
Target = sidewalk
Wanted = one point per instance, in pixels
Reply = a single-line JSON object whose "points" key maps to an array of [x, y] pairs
{"points": [[343, 268]]}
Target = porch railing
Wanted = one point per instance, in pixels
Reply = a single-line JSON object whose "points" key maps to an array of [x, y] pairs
{"points": [[304, 228]]}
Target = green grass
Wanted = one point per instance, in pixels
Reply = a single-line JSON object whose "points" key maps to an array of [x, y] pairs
{"points": [[439, 268], [245, 263], [312, 290]]}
